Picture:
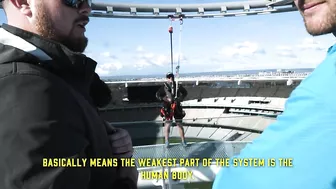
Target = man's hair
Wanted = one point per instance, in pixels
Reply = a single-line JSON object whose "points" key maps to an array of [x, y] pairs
{"points": [[170, 75]]}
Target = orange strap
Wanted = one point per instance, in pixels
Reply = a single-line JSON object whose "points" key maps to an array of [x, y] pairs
{"points": [[173, 106]]}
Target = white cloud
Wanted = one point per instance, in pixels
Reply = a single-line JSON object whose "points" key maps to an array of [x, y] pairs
{"points": [[285, 51], [245, 49], [146, 59], [140, 48], [238, 56], [251, 56], [107, 55], [311, 44], [108, 68], [107, 63], [141, 64]]}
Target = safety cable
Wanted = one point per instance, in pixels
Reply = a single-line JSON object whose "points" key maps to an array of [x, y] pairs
{"points": [[179, 54], [180, 46], [170, 30]]}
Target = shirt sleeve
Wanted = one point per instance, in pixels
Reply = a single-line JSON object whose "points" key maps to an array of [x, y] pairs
{"points": [[305, 133]]}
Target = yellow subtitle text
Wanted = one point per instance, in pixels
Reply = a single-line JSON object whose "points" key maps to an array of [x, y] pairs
{"points": [[175, 175], [167, 162], [254, 162]]}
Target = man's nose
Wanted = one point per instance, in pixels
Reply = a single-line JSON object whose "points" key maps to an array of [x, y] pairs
{"points": [[85, 9]]}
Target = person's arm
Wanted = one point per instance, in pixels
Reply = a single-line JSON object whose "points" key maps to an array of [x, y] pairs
{"points": [[305, 132], [161, 95], [183, 93], [100, 92], [122, 147], [38, 120]]}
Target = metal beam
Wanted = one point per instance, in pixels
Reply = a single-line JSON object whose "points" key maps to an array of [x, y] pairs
{"points": [[206, 10], [204, 15], [168, 8]]}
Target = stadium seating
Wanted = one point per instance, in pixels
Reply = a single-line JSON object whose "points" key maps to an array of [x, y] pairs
{"points": [[230, 114]]}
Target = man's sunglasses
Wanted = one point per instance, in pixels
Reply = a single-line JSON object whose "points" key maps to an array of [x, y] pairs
{"points": [[76, 3]]}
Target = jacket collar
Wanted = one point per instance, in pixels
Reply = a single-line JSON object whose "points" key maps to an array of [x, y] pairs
{"points": [[59, 57], [17, 45]]}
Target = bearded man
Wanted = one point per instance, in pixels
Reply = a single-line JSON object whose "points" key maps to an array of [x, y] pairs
{"points": [[49, 98]]}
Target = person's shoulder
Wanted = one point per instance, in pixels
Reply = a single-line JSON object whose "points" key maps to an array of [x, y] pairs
{"points": [[35, 95], [331, 49], [22, 68], [180, 85], [29, 78], [322, 79]]}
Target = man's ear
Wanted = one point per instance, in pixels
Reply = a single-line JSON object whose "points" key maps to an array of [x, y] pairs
{"points": [[23, 6]]}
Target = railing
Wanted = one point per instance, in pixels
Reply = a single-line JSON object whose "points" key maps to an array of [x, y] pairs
{"points": [[253, 110], [201, 119], [229, 128], [282, 77]]}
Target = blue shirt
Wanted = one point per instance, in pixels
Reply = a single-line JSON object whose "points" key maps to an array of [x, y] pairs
{"points": [[306, 132]]}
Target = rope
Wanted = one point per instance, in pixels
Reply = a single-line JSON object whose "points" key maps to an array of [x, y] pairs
{"points": [[171, 19], [177, 73], [170, 30], [179, 54], [180, 44]]}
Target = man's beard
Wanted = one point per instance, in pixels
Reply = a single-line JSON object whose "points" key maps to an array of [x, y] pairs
{"points": [[46, 29], [326, 24]]}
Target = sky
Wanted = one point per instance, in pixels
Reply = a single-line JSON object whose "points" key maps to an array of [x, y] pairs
{"points": [[142, 47]]}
